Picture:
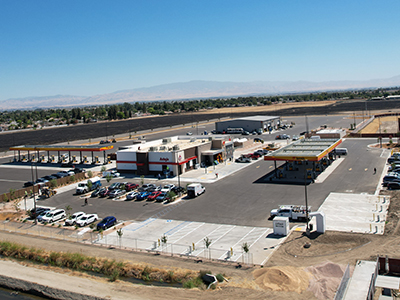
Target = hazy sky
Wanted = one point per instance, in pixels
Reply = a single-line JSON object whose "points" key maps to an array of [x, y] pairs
{"points": [[82, 47]]}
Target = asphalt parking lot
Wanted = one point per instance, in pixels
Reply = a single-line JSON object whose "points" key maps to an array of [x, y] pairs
{"points": [[241, 198]]}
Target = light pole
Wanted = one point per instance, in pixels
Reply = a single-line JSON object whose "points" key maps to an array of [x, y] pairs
{"points": [[305, 192], [33, 188]]}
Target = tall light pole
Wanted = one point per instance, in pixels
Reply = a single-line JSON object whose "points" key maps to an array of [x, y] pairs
{"points": [[33, 188], [305, 192]]}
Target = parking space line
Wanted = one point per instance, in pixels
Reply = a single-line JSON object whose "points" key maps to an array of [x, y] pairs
{"points": [[209, 235], [220, 237], [177, 227], [201, 224], [142, 224]]}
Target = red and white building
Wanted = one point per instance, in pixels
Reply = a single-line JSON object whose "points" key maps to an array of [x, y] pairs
{"points": [[174, 155]]}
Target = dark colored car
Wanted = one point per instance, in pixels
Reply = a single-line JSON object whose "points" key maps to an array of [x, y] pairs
{"points": [[393, 185], [57, 175], [106, 223], [77, 170], [178, 189], [105, 142], [97, 192], [28, 184], [104, 193], [115, 186], [131, 186], [49, 177]]}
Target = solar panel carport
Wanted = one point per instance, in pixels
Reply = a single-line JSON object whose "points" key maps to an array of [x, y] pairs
{"points": [[61, 148]]}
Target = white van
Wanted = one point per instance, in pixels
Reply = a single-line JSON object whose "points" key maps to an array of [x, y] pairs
{"points": [[340, 151], [54, 215], [195, 189]]}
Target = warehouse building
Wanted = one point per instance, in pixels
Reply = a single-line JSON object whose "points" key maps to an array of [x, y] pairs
{"points": [[174, 155], [250, 124]]}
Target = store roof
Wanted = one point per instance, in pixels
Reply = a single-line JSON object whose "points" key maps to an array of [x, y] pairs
{"points": [[256, 118], [305, 149]]}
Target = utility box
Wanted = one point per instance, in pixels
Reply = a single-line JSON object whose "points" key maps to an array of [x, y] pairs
{"points": [[281, 226]]}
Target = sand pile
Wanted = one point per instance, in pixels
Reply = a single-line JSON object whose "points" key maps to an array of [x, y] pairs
{"points": [[284, 278], [325, 279]]}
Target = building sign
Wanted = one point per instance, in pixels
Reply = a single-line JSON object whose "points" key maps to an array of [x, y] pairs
{"points": [[179, 157], [164, 159]]}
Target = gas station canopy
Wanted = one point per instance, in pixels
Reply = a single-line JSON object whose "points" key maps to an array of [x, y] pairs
{"points": [[305, 149], [61, 148]]}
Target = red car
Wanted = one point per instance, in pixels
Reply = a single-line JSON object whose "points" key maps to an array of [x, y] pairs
{"points": [[131, 186], [153, 196], [255, 156]]}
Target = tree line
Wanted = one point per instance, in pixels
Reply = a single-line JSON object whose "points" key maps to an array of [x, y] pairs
{"points": [[19, 119]]}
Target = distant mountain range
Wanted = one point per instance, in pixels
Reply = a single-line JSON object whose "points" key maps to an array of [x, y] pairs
{"points": [[195, 90]]}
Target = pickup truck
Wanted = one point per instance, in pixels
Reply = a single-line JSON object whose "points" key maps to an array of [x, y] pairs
{"points": [[294, 212]]}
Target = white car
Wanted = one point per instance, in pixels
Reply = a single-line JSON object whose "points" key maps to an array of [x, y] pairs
{"points": [[86, 220], [54, 215], [132, 195], [75, 217], [113, 173], [167, 188]]}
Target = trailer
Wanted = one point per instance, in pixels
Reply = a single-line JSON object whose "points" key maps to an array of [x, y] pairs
{"points": [[293, 212], [85, 186]]}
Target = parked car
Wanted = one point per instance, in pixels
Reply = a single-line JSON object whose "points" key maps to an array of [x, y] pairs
{"points": [[245, 133], [295, 137], [393, 185], [54, 215], [87, 219], [153, 196], [104, 193], [97, 192], [105, 142], [155, 189], [28, 184], [282, 137], [39, 211], [116, 193], [40, 215], [393, 159], [132, 195], [57, 175], [189, 133], [73, 218], [391, 177], [77, 170], [41, 180], [107, 222], [178, 189], [112, 173], [115, 186], [162, 197], [143, 195], [49, 177], [131, 186], [242, 160], [255, 155], [167, 188], [260, 152], [148, 186]]}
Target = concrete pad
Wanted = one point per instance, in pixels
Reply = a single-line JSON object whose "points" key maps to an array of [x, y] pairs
{"points": [[361, 213], [186, 238]]}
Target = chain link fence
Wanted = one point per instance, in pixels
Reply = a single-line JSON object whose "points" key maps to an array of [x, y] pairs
{"points": [[112, 239]]}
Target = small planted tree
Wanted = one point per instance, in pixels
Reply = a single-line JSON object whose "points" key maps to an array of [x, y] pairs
{"points": [[103, 169], [108, 177], [90, 174], [89, 185], [68, 209], [120, 233], [142, 179], [53, 183], [207, 243]]}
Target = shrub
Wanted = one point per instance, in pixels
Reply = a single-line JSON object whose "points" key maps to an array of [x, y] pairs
{"points": [[220, 277]]}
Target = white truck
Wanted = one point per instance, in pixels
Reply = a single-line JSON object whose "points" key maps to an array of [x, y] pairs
{"points": [[83, 187], [294, 212], [195, 189]]}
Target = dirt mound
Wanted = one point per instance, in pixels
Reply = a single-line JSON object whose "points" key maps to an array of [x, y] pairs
{"points": [[285, 278], [325, 279]]}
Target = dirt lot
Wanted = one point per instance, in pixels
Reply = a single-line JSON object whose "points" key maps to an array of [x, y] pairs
{"points": [[293, 272]]}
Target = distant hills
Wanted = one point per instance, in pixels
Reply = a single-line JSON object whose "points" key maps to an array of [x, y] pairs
{"points": [[195, 90]]}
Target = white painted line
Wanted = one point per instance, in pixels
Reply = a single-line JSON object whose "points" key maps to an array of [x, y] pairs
{"points": [[210, 234], [201, 224]]}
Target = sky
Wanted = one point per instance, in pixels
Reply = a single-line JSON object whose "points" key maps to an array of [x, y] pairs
{"points": [[86, 48]]}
